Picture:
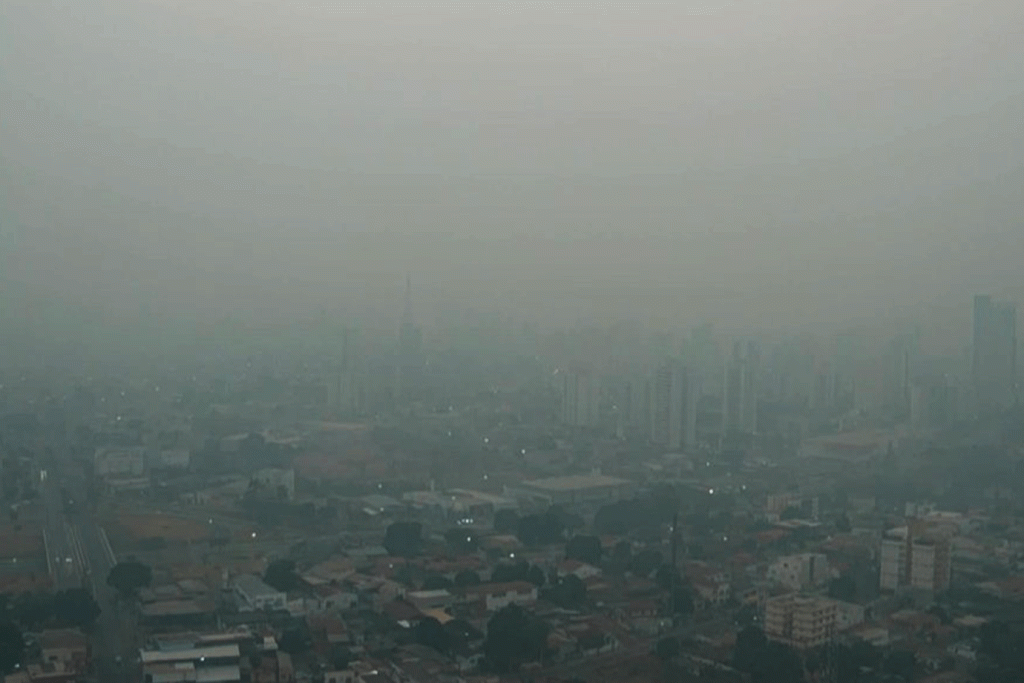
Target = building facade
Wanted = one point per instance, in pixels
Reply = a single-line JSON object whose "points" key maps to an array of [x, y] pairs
{"points": [[994, 355], [917, 556], [674, 393], [801, 622]]}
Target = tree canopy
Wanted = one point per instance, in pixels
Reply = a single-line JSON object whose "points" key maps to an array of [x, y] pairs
{"points": [[128, 577], [403, 539], [765, 661], [569, 592], [467, 577], [506, 521], [12, 647], [431, 633], [843, 588], [542, 529], [514, 637], [584, 548], [281, 575], [75, 607], [461, 540]]}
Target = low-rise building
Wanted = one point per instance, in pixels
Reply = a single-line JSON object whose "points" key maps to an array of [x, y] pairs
{"points": [[255, 595], [496, 596], [65, 646], [579, 489], [277, 481], [209, 664], [119, 463], [430, 599]]}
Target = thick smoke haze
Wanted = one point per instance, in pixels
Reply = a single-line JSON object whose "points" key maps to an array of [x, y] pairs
{"points": [[791, 163]]}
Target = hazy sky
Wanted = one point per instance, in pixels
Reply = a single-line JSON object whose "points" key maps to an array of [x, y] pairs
{"points": [[755, 162]]}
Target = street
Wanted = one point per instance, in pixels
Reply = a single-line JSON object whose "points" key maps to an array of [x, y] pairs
{"points": [[80, 556]]}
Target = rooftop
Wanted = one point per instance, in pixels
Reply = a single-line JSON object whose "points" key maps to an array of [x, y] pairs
{"points": [[253, 586], [193, 655], [576, 482]]}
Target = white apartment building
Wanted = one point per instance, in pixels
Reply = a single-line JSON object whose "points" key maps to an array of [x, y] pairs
{"points": [[916, 556], [119, 462], [801, 571]]}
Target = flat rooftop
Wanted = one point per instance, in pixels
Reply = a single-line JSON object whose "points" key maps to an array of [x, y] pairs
{"points": [[576, 482], [253, 586], [214, 652]]}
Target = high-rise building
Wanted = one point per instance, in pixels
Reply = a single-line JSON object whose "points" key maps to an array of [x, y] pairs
{"points": [[915, 556], [994, 355], [799, 621], [634, 409], [741, 389], [581, 395], [410, 351], [346, 394], [903, 356], [674, 393]]}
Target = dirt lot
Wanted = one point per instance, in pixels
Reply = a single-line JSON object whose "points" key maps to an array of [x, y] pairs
{"points": [[140, 527], [22, 542]]}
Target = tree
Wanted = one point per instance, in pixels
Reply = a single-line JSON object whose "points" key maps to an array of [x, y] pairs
{"points": [[748, 653], [461, 540], [32, 610], [746, 615], [431, 633], [403, 539], [666, 577], [280, 575], [1000, 641], [584, 548], [128, 577], [623, 552], [843, 524], [667, 649], [535, 575], [507, 573], [75, 607], [542, 529], [843, 588], [436, 582], [506, 521], [941, 614], [682, 600], [12, 647], [514, 637], [902, 663], [792, 512], [341, 657], [569, 592], [780, 664], [467, 577], [646, 561], [294, 641]]}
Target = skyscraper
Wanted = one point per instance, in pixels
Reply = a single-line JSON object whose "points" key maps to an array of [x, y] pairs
{"points": [[903, 356], [674, 406], [345, 392], [994, 355], [410, 351], [580, 398], [740, 391]]}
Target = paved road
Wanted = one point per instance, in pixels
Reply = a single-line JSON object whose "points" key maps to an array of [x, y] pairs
{"points": [[76, 535], [64, 557]]}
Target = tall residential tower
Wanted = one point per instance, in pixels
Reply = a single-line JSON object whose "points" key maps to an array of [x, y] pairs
{"points": [[994, 355]]}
